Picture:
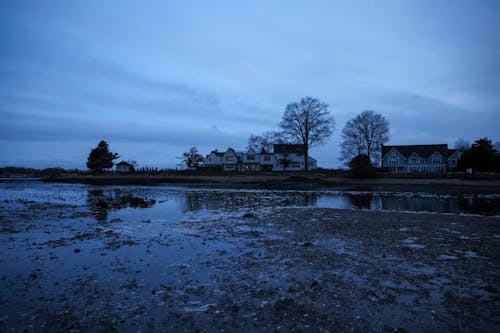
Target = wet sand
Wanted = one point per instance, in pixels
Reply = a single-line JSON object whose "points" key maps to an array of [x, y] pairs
{"points": [[254, 270]]}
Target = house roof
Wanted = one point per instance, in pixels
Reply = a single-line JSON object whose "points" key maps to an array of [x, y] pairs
{"points": [[123, 163], [217, 153], [288, 148], [424, 151]]}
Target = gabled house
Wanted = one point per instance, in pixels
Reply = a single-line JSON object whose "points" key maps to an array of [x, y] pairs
{"points": [[419, 158], [230, 160], [291, 157], [284, 158], [214, 159], [124, 167], [453, 157]]}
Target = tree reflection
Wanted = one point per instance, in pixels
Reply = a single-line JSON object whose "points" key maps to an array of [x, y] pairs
{"points": [[100, 202], [361, 201], [482, 206]]}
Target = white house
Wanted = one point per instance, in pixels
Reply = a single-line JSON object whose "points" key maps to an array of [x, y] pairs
{"points": [[285, 157], [419, 158], [291, 158], [124, 167]]}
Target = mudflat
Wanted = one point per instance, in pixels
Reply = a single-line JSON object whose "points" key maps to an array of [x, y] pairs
{"points": [[254, 269]]}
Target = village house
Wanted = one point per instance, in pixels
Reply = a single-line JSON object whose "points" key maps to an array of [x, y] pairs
{"points": [[419, 158], [292, 158], [286, 157], [124, 167]]}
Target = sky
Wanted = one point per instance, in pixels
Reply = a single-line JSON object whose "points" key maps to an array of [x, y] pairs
{"points": [[154, 78]]}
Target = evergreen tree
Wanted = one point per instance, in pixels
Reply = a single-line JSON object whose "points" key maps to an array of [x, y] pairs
{"points": [[101, 158], [480, 157]]}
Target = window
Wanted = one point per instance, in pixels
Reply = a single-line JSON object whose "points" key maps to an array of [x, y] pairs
{"points": [[299, 154], [250, 157], [393, 160], [413, 160], [267, 158], [310, 163], [436, 160], [229, 158], [295, 165]]}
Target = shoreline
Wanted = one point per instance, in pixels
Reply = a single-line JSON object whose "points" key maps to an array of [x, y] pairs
{"points": [[287, 180]]}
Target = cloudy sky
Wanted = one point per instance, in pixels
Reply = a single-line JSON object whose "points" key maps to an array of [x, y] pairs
{"points": [[154, 78]]}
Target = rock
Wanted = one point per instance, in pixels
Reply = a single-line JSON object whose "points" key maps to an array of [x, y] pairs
{"points": [[248, 215], [76, 250]]}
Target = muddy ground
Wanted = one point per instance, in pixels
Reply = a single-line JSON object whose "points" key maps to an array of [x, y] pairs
{"points": [[252, 270]]}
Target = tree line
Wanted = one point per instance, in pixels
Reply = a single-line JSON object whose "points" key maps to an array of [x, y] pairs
{"points": [[308, 122]]}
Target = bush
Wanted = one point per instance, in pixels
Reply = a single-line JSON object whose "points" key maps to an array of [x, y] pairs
{"points": [[361, 166]]}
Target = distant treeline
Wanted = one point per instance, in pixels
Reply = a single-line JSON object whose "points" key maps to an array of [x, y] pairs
{"points": [[11, 171]]}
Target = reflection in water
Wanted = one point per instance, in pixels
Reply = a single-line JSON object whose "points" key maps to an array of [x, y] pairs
{"points": [[101, 202], [205, 200], [482, 206], [230, 200], [360, 201], [419, 204]]}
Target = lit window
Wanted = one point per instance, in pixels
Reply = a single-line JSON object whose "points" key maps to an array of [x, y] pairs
{"points": [[229, 158]]}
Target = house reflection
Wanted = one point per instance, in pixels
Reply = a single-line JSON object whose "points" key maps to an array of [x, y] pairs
{"points": [[204, 200], [420, 204], [100, 202]]}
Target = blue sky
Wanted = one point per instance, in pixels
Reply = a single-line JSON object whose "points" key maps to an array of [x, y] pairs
{"points": [[155, 78]]}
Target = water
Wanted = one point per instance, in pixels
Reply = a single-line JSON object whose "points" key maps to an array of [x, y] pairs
{"points": [[114, 202], [151, 258]]}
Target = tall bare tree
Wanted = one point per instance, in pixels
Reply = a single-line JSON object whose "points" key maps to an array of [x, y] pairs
{"points": [[307, 122], [462, 145], [364, 134]]}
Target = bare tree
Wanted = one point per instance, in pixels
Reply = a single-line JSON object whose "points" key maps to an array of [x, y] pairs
{"points": [[364, 134], [266, 141], [462, 145], [192, 159], [307, 122]]}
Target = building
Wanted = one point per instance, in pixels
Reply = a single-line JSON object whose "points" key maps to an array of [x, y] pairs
{"points": [[124, 167], [286, 157], [419, 158], [292, 158]]}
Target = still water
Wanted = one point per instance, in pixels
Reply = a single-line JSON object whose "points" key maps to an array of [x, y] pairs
{"points": [[105, 201]]}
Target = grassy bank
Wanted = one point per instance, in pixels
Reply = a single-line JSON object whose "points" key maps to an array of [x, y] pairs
{"points": [[296, 180]]}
